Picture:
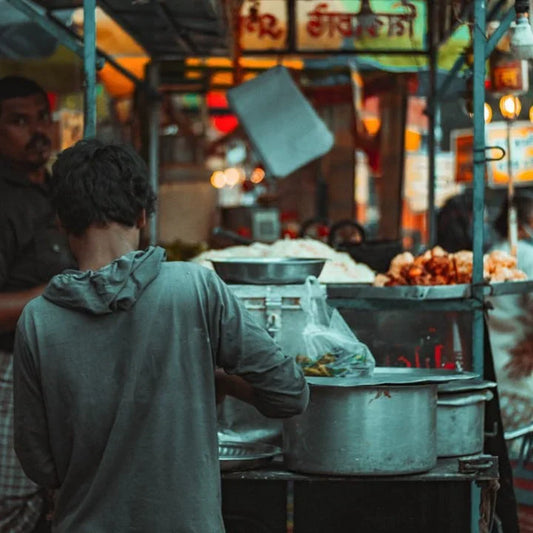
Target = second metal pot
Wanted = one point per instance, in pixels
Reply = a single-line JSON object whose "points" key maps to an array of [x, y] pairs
{"points": [[460, 423], [364, 430]]}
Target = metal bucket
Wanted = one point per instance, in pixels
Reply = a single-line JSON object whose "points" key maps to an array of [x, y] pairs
{"points": [[460, 422], [364, 430], [277, 308]]}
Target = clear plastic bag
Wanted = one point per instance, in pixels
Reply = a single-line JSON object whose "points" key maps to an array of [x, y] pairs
{"points": [[332, 348]]}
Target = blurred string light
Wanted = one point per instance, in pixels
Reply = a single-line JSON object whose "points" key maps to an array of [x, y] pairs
{"points": [[218, 179], [531, 114], [510, 106], [230, 177], [257, 175], [487, 113]]}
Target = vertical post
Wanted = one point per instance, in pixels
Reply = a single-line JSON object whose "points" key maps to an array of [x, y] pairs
{"points": [[432, 119], [479, 39], [152, 77], [291, 26], [89, 68], [512, 224], [478, 207]]}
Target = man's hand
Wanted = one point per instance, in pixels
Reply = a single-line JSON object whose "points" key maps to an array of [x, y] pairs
{"points": [[228, 385]]}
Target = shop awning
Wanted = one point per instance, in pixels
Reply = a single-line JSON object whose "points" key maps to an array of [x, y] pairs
{"points": [[193, 37]]}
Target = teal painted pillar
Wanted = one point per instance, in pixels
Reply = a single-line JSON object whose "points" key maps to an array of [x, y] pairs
{"points": [[479, 176], [152, 78], [479, 41], [432, 111], [89, 68]]}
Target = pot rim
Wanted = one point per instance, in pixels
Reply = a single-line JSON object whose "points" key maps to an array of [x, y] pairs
{"points": [[384, 376]]}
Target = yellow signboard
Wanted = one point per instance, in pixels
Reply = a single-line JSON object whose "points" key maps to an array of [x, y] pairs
{"points": [[521, 136], [334, 25]]}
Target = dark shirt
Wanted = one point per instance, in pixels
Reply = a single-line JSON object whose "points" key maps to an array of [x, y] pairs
{"points": [[32, 248]]}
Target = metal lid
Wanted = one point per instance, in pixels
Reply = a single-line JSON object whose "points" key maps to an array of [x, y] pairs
{"points": [[395, 376], [465, 385]]}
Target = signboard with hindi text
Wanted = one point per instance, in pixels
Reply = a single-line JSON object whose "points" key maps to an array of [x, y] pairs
{"points": [[496, 136], [353, 24], [335, 25]]}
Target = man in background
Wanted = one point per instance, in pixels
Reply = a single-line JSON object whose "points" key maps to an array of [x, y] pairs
{"points": [[118, 364], [32, 250], [511, 322]]}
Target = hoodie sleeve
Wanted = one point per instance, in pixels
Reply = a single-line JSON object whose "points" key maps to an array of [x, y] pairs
{"points": [[244, 348], [31, 432]]}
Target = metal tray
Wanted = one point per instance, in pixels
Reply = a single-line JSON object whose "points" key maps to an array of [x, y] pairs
{"points": [[394, 376], [245, 455], [268, 270], [424, 292]]}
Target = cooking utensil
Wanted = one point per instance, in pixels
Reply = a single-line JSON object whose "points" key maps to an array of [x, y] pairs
{"points": [[396, 376], [268, 270], [461, 417], [377, 425], [245, 455], [364, 430]]}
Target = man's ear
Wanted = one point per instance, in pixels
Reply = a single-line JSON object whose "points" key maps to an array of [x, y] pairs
{"points": [[141, 220]]}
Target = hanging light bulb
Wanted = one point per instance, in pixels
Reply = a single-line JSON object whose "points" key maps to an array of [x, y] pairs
{"points": [[521, 41], [487, 112], [218, 179], [510, 106]]}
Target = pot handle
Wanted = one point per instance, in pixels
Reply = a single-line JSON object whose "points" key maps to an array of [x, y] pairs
{"points": [[465, 399]]}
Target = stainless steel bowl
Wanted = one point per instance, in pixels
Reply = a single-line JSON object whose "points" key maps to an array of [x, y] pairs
{"points": [[245, 455], [268, 270]]}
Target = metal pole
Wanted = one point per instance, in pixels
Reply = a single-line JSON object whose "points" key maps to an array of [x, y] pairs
{"points": [[478, 179], [68, 37], [89, 67], [478, 206], [432, 114], [152, 77], [475, 503], [512, 225]]}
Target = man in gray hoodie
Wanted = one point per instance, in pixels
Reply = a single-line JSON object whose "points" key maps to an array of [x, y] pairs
{"points": [[116, 365]]}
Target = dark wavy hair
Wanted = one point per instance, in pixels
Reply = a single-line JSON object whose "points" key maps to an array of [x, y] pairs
{"points": [[19, 87], [97, 183], [523, 202]]}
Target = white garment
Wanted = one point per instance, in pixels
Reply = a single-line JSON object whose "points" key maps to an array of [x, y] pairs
{"points": [[510, 323]]}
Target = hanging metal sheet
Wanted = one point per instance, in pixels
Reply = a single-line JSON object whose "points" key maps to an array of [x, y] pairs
{"points": [[282, 125]]}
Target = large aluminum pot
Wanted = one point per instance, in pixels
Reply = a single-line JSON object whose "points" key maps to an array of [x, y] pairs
{"points": [[461, 417], [364, 430]]}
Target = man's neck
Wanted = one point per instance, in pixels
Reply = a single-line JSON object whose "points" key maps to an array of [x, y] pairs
{"points": [[100, 246]]}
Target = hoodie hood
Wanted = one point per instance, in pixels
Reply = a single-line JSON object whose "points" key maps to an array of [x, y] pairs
{"points": [[115, 287]]}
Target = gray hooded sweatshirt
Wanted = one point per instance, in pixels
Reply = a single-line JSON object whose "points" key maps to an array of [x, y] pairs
{"points": [[115, 393]]}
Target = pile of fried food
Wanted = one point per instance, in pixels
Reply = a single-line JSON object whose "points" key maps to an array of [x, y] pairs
{"points": [[438, 267]]}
